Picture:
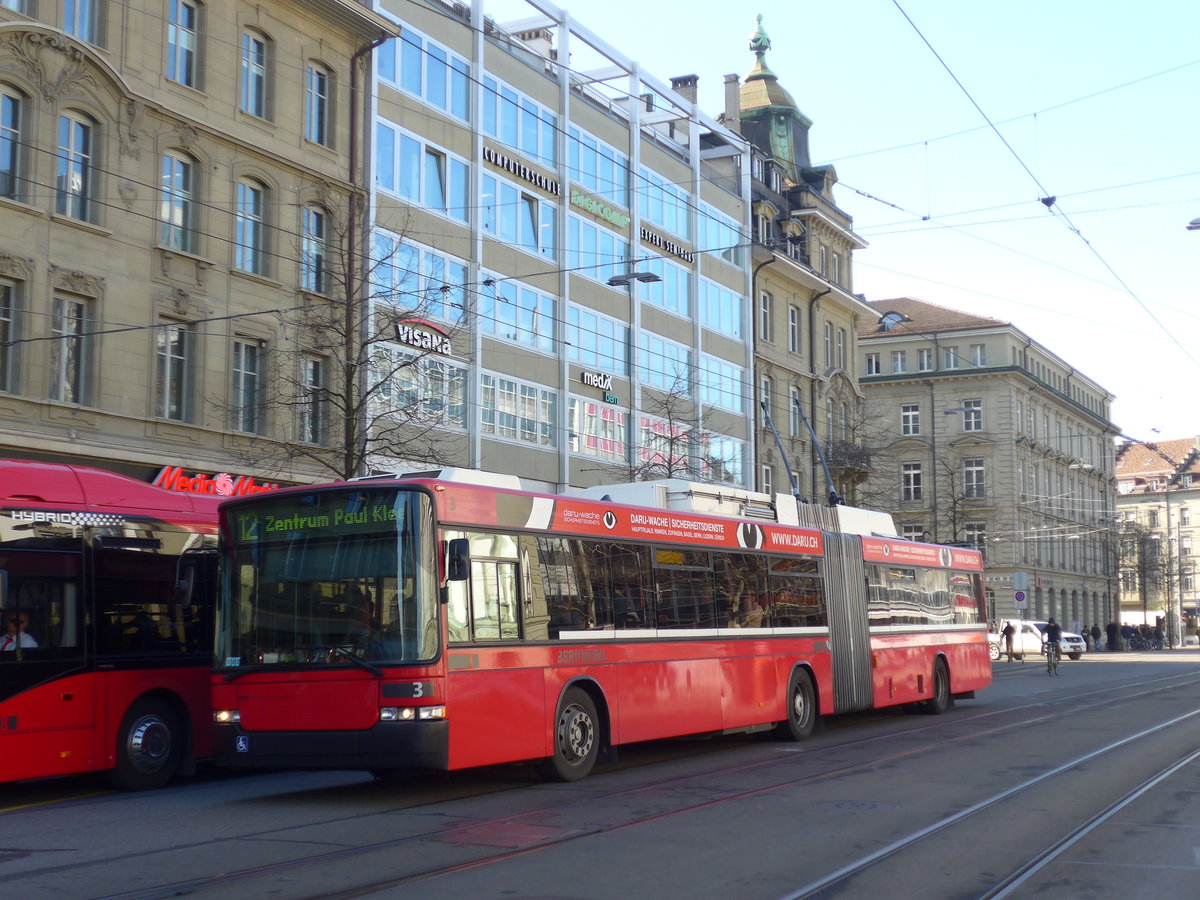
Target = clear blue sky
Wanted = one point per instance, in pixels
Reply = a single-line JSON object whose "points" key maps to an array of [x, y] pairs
{"points": [[1099, 100]]}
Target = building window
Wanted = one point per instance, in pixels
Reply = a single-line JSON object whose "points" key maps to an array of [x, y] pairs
{"points": [[766, 316], [664, 364], [836, 277], [518, 411], [73, 183], [81, 19], [720, 308], [873, 364], [314, 401], [899, 361], [318, 84], [793, 341], [247, 396], [69, 351], [12, 152], [720, 236], [520, 122], [177, 209], [597, 342], [514, 312], [597, 253], [975, 533], [426, 70], [822, 261], [183, 25], [795, 419], [314, 276], [8, 334], [974, 487], [1185, 516], [910, 418], [416, 280], [173, 350], [1152, 516], [422, 390], [766, 480], [910, 482], [254, 74], [924, 360], [766, 388], [598, 430], [979, 355], [664, 204], [828, 344], [721, 384], [598, 167], [913, 531], [972, 415], [249, 253], [520, 218], [841, 348], [950, 358], [427, 175]]}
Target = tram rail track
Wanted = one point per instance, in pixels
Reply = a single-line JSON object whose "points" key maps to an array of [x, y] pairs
{"points": [[1029, 714]]}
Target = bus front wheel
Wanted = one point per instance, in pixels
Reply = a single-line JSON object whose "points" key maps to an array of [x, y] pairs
{"points": [[149, 746], [576, 739], [801, 718]]}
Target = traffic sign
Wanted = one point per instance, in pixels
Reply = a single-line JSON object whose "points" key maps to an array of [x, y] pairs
{"points": [[1019, 599]]}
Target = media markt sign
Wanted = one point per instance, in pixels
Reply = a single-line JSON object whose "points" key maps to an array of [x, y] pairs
{"points": [[172, 478]]}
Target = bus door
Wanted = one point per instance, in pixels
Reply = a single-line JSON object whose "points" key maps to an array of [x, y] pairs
{"points": [[849, 637], [46, 698]]}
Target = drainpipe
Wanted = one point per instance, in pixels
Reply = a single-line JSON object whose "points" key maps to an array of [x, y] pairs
{"points": [[355, 432], [812, 385]]}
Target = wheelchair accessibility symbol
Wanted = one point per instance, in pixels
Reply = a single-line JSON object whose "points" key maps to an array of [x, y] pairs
{"points": [[243, 744]]}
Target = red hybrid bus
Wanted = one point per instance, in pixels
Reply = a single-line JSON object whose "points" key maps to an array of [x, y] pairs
{"points": [[428, 621], [106, 586]]}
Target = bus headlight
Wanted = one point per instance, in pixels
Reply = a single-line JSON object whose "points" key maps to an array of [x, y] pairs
{"points": [[411, 713], [226, 716]]}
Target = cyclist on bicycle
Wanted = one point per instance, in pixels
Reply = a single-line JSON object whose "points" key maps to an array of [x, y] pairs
{"points": [[1053, 638]]}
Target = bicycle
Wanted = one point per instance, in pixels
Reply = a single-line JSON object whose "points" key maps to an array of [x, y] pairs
{"points": [[1053, 655]]}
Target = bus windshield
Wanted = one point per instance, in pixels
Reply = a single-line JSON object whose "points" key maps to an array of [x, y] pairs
{"points": [[328, 577]]}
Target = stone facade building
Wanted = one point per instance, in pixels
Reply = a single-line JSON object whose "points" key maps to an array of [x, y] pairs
{"points": [[1158, 502], [168, 175], [985, 437]]}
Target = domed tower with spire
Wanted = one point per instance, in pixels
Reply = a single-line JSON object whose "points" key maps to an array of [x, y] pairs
{"points": [[807, 315], [769, 116]]}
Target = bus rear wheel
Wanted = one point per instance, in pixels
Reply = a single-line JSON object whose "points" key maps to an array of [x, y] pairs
{"points": [[941, 701], [801, 718], [149, 746], [576, 739]]}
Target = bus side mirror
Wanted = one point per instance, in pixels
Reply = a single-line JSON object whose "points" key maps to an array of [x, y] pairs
{"points": [[458, 559]]}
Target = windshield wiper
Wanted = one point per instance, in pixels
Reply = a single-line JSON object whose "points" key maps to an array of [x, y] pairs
{"points": [[358, 661]]}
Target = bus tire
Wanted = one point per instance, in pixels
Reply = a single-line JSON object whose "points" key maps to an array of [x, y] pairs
{"points": [[149, 746], [576, 739], [801, 704], [941, 701]]}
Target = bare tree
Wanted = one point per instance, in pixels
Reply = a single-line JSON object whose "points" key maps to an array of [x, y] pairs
{"points": [[361, 376]]}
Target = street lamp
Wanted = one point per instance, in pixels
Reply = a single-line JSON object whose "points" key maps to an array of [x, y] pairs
{"points": [[628, 277], [1194, 225]]}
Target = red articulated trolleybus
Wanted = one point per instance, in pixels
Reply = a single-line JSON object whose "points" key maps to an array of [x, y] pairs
{"points": [[449, 620], [107, 587]]}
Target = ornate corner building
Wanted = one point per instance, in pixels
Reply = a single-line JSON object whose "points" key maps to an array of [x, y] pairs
{"points": [[985, 437]]}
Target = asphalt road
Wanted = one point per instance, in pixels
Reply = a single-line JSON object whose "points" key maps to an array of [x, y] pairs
{"points": [[1084, 784]]}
